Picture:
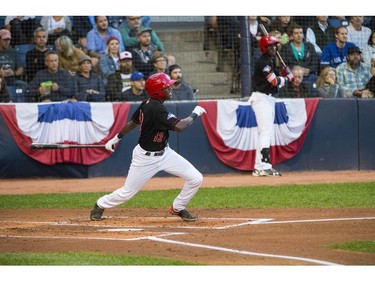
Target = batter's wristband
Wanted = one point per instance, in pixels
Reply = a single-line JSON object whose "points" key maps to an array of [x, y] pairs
{"points": [[194, 116]]}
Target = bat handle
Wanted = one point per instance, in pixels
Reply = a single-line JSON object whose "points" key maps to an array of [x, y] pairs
{"points": [[280, 58]]}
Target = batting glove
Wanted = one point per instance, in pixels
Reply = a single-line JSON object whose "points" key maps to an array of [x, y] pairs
{"points": [[287, 73], [199, 110], [110, 145]]}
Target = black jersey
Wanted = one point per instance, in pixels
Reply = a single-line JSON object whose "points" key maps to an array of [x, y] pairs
{"points": [[263, 67], [155, 122]]}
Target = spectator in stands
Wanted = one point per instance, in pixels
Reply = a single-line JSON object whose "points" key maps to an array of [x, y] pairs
{"points": [[254, 29], [89, 85], [119, 81], [10, 67], [299, 52], [4, 94], [295, 89], [368, 51], [97, 38], [56, 26], [129, 33], [52, 83], [137, 91], [180, 90], [353, 74], [327, 84], [334, 53], [282, 24], [69, 55], [369, 90], [320, 33], [143, 53], [160, 62], [357, 33], [35, 57], [82, 26], [21, 28], [110, 61]]}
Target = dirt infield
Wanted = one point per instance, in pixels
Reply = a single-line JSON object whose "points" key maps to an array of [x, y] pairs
{"points": [[219, 237]]}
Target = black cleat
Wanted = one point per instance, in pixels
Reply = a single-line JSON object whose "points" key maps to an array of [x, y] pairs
{"points": [[183, 214], [96, 213]]}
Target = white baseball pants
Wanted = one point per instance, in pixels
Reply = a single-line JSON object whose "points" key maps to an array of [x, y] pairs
{"points": [[263, 106], [144, 167]]}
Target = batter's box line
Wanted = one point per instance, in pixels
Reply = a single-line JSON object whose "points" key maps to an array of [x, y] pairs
{"points": [[245, 221], [88, 238]]}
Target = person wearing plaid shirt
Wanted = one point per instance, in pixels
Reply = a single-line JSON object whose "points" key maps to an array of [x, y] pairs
{"points": [[353, 74]]}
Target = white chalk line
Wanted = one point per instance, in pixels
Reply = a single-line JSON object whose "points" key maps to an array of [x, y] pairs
{"points": [[312, 220], [241, 252], [92, 238]]}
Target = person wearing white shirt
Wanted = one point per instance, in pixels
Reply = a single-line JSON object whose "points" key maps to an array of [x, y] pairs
{"points": [[320, 33], [368, 52], [357, 33]]}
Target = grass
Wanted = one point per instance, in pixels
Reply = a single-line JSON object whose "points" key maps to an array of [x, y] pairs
{"points": [[358, 246], [342, 195], [80, 259]]}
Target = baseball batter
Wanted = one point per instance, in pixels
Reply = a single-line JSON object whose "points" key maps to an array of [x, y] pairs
{"points": [[266, 82], [152, 154]]}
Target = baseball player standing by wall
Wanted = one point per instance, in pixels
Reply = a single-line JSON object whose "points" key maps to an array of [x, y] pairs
{"points": [[152, 154], [265, 85]]}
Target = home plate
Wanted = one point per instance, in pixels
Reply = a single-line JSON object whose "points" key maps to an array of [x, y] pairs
{"points": [[120, 229]]}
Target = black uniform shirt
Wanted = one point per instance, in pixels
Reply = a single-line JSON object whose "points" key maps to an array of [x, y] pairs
{"points": [[263, 67], [155, 122]]}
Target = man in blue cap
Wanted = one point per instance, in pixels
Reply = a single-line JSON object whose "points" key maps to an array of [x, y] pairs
{"points": [[137, 90]]}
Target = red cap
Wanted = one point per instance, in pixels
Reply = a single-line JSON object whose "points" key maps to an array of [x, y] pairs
{"points": [[112, 38]]}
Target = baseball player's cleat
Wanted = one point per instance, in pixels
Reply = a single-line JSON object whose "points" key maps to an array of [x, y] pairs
{"points": [[96, 213], [183, 214], [265, 173]]}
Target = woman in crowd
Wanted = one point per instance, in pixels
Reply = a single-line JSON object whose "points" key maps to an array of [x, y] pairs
{"points": [[69, 54], [327, 84], [109, 63]]}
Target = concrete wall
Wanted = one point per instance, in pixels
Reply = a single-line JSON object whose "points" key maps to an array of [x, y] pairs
{"points": [[341, 137]]}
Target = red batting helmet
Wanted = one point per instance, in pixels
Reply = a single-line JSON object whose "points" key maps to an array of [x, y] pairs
{"points": [[267, 40], [156, 82]]}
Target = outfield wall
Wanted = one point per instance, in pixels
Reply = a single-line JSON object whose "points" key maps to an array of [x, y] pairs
{"points": [[341, 137]]}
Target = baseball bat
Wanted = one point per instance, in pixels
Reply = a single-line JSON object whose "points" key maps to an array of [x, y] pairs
{"points": [[265, 32], [62, 145]]}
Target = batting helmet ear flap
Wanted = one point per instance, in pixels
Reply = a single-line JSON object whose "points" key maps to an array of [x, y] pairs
{"points": [[267, 40], [156, 83]]}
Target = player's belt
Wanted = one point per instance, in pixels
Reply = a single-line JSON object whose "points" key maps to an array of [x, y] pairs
{"points": [[156, 153]]}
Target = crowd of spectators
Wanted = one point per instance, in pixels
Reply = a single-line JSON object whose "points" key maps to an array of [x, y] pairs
{"points": [[98, 55], [336, 54], [78, 58]]}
